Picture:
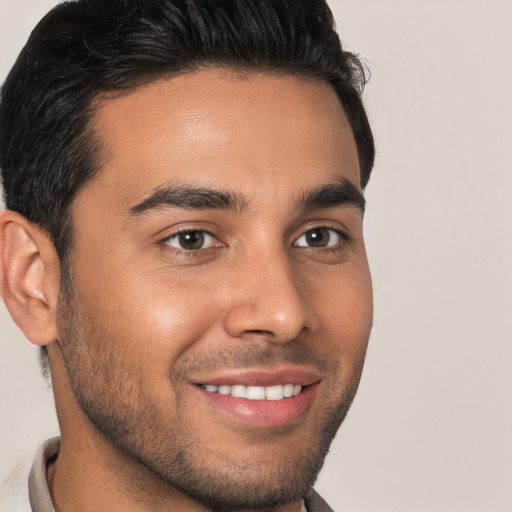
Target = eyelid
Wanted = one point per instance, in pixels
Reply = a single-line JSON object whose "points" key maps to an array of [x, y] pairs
{"points": [[176, 249], [178, 233], [341, 234]]}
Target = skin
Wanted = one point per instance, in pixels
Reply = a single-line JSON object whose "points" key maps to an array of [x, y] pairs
{"points": [[145, 320]]}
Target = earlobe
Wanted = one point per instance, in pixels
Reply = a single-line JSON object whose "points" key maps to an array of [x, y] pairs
{"points": [[30, 277]]}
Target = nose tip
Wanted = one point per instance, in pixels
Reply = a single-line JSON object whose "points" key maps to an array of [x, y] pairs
{"points": [[268, 303]]}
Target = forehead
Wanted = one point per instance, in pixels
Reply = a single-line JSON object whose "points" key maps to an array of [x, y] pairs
{"points": [[216, 128]]}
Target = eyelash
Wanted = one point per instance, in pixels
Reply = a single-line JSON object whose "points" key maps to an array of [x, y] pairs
{"points": [[186, 252], [189, 253], [342, 236]]}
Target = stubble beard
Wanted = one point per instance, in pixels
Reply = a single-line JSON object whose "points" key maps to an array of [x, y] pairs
{"points": [[111, 392]]}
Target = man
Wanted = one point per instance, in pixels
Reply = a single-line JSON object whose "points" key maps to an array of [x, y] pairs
{"points": [[183, 238]]}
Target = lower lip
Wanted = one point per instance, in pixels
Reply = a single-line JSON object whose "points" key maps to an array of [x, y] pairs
{"points": [[263, 413]]}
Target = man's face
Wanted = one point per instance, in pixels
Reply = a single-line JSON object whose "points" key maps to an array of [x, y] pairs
{"points": [[218, 267]]}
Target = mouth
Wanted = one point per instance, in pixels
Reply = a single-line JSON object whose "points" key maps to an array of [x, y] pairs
{"points": [[260, 398]]}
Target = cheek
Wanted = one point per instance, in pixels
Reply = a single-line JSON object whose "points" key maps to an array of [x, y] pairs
{"points": [[346, 309], [155, 316], [174, 321]]}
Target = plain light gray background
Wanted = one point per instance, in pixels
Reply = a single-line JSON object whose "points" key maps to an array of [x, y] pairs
{"points": [[431, 428]]}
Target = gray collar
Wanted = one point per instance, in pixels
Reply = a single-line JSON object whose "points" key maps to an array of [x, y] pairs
{"points": [[38, 491]]}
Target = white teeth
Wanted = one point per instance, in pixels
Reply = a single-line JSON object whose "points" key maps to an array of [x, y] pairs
{"points": [[256, 392], [288, 390], [274, 393], [240, 391], [224, 390]]}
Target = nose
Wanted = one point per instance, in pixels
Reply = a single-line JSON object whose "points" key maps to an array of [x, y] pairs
{"points": [[268, 299]]}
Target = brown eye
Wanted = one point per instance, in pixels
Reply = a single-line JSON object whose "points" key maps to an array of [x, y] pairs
{"points": [[191, 240], [320, 237]]}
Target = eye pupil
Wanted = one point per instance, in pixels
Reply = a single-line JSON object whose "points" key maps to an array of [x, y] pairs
{"points": [[191, 240], [318, 237]]}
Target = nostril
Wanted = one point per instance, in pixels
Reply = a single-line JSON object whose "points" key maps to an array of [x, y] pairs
{"points": [[259, 332]]}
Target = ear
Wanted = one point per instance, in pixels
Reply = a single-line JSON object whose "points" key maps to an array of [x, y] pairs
{"points": [[29, 277]]}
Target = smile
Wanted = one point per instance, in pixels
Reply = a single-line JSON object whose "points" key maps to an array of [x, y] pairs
{"points": [[278, 392]]}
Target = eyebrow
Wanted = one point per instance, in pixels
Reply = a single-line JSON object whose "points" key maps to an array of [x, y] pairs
{"points": [[191, 198], [341, 192]]}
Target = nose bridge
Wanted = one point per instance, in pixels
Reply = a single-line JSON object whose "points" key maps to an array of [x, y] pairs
{"points": [[267, 298]]}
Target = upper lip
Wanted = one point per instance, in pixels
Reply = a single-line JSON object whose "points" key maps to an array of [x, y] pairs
{"points": [[261, 377]]}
